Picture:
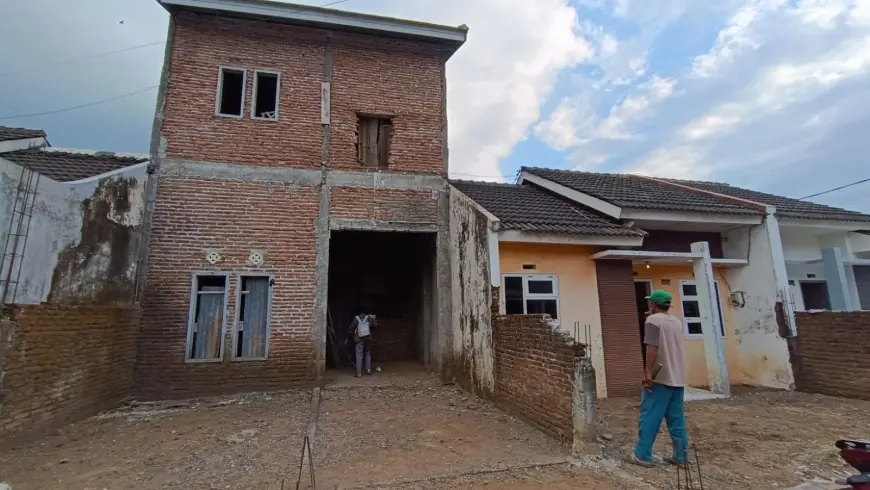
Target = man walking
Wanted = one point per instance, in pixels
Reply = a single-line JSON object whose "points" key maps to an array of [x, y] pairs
{"points": [[663, 384], [361, 332]]}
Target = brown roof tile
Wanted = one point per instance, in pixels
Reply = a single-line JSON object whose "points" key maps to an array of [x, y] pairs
{"points": [[9, 134], [66, 166], [785, 206], [529, 208], [634, 192]]}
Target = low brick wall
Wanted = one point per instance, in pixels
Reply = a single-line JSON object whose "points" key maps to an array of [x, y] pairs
{"points": [[534, 367], [63, 364], [832, 353]]}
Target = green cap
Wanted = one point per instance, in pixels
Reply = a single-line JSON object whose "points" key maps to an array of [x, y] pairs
{"points": [[661, 298]]}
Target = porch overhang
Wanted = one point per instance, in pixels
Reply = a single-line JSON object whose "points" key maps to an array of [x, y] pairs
{"points": [[671, 258]]}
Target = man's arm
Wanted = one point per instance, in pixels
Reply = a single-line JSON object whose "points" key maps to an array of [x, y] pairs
{"points": [[351, 329], [651, 343]]}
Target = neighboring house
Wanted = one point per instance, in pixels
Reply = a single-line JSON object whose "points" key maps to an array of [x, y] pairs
{"points": [[728, 286], [12, 139], [285, 137], [826, 249], [70, 224]]}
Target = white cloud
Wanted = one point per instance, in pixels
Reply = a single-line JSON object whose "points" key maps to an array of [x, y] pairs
{"points": [[682, 162]]}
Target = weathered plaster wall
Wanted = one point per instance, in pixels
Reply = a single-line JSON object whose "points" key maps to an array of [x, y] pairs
{"points": [[473, 356], [695, 360], [578, 289], [762, 353], [83, 237]]}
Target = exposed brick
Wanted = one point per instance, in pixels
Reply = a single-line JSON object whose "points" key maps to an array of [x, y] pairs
{"points": [[534, 371], [832, 353], [619, 328], [65, 364]]}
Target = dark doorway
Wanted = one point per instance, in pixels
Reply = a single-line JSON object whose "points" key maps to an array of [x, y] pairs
{"points": [[862, 281], [815, 294], [390, 275], [642, 289]]}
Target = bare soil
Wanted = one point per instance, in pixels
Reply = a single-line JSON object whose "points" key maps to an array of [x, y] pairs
{"points": [[402, 429]]}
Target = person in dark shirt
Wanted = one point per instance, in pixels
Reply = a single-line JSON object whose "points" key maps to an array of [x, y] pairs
{"points": [[360, 332]]}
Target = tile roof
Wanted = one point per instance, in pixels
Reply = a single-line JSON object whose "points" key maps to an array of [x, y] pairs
{"points": [[9, 134], [634, 192], [65, 166], [529, 208], [785, 206]]}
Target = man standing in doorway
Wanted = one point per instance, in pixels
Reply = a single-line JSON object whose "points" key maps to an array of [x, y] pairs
{"points": [[361, 331], [663, 384]]}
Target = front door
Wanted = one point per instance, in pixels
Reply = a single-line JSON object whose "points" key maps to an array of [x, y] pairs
{"points": [[642, 289]]}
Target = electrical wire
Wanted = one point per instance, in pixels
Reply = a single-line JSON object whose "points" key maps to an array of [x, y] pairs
{"points": [[80, 106], [834, 189], [131, 48]]}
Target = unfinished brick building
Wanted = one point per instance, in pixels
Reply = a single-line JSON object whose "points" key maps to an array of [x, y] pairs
{"points": [[301, 162]]}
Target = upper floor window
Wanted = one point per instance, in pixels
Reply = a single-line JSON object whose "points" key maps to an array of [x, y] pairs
{"points": [[374, 134], [231, 92], [265, 97]]}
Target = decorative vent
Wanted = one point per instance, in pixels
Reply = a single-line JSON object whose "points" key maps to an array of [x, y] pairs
{"points": [[256, 258], [213, 256]]}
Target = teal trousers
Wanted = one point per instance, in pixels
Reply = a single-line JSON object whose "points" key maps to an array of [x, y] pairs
{"points": [[662, 402]]}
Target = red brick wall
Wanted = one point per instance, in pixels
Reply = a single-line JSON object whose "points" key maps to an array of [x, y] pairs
{"points": [[65, 364], [233, 216], [384, 204], [833, 353], [370, 75], [534, 367], [619, 327]]}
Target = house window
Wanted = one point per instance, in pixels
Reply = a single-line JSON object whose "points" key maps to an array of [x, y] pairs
{"points": [[531, 294], [265, 96], [373, 141], [252, 317], [231, 92], [205, 333], [692, 308]]}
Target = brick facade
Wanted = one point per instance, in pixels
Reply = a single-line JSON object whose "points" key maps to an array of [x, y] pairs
{"points": [[832, 352], [64, 364], [534, 365], [234, 212], [619, 327]]}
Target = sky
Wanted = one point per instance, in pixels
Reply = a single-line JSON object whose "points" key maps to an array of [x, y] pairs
{"points": [[773, 95]]}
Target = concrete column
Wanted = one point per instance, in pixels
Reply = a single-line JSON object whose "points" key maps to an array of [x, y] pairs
{"points": [[838, 284], [780, 273], [714, 348], [585, 407]]}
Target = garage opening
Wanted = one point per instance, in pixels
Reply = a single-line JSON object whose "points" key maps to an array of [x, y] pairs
{"points": [[391, 276]]}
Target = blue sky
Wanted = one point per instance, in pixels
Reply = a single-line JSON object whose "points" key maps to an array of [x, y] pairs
{"points": [[772, 95]]}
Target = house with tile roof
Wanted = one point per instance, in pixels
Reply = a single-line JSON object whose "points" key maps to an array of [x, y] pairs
{"points": [[826, 249], [70, 222], [587, 248]]}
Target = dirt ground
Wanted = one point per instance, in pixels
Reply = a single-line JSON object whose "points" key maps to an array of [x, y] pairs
{"points": [[402, 429]]}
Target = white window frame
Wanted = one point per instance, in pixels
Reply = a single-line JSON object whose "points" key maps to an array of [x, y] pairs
{"points": [[527, 295], [220, 86], [695, 319], [191, 315], [254, 95], [237, 320]]}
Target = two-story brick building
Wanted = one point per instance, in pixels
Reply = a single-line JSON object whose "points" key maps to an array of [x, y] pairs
{"points": [[300, 173]]}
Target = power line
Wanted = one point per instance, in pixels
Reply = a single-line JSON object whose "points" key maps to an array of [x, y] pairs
{"points": [[80, 58], [834, 189], [80, 106], [131, 48]]}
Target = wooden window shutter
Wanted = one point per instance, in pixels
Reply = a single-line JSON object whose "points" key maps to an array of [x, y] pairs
{"points": [[384, 138]]}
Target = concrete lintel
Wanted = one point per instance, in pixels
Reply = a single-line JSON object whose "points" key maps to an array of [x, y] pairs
{"points": [[643, 254], [386, 180], [369, 225], [228, 171]]}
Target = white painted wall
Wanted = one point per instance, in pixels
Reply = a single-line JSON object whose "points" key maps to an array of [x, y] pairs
{"points": [[762, 352], [56, 225]]}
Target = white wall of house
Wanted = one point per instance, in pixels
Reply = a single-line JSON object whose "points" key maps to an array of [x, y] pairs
{"points": [[53, 263], [762, 351], [806, 244]]}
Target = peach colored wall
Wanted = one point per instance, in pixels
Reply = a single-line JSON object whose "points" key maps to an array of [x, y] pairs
{"points": [[578, 288], [695, 347]]}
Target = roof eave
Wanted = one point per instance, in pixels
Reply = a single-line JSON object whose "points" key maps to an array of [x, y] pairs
{"points": [[452, 37]]}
